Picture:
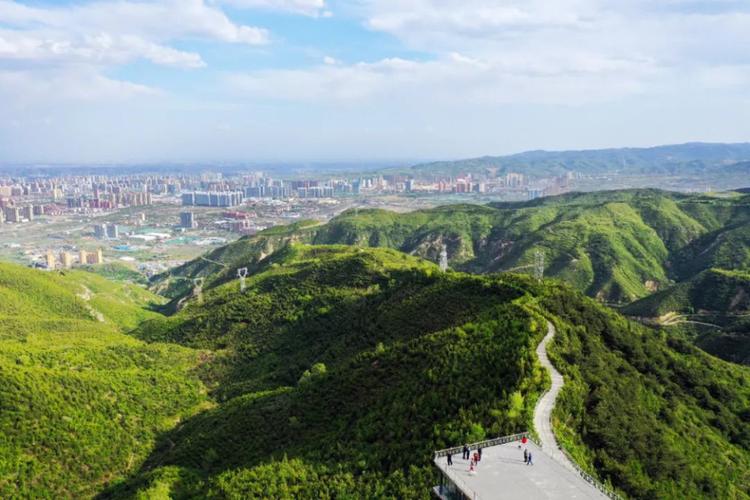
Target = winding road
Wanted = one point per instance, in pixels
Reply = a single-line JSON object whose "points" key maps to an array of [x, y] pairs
{"points": [[545, 405]]}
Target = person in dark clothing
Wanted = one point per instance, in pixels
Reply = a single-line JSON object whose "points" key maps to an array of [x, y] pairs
{"points": [[525, 456], [529, 462], [479, 452], [450, 459], [466, 452]]}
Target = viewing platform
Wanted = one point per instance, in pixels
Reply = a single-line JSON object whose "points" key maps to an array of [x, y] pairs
{"points": [[502, 474]]}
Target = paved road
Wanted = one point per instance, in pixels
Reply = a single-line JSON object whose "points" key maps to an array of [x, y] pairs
{"points": [[543, 410]]}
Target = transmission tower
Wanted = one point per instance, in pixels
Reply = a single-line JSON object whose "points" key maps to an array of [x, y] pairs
{"points": [[242, 274], [198, 289], [539, 264], [444, 259]]}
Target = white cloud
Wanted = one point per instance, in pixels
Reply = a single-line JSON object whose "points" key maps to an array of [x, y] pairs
{"points": [[453, 79], [160, 20], [528, 51], [91, 38], [100, 49], [23, 89], [305, 7]]}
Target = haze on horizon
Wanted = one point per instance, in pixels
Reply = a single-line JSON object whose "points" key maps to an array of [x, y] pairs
{"points": [[274, 80]]}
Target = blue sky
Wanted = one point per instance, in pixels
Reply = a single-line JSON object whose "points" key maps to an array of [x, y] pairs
{"points": [[369, 80]]}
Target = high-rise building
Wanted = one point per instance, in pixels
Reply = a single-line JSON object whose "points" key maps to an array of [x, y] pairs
{"points": [[28, 212], [100, 231], [83, 257], [213, 198], [12, 214], [113, 232], [187, 220], [95, 257], [66, 259], [50, 259]]}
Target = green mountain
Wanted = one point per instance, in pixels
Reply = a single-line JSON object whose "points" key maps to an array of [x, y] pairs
{"points": [[82, 402], [682, 159], [713, 307], [335, 374], [617, 246], [715, 291], [340, 369]]}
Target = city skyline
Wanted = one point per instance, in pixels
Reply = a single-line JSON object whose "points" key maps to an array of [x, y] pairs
{"points": [[371, 80]]}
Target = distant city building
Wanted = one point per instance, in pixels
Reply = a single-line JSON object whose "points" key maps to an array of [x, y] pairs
{"points": [[514, 180], [113, 232], [50, 260], [95, 257], [66, 260], [213, 198], [12, 214], [83, 256], [187, 220], [534, 193], [28, 212], [107, 231]]}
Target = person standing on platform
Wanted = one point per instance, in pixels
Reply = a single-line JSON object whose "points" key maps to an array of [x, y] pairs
{"points": [[479, 451], [450, 459], [466, 452], [530, 462], [525, 456]]}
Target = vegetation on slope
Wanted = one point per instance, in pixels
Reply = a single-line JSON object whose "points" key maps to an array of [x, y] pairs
{"points": [[715, 291], [617, 246], [712, 309], [340, 369], [652, 414], [81, 402]]}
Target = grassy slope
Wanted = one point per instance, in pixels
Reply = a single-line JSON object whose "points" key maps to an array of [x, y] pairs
{"points": [[362, 362], [81, 402]]}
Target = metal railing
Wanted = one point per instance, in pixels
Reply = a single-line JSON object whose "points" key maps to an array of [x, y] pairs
{"points": [[486, 444], [591, 479], [459, 483]]}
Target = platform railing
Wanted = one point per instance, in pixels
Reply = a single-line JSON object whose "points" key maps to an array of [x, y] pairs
{"points": [[486, 444], [460, 484], [592, 480]]}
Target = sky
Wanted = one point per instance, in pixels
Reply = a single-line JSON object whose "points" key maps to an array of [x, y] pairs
{"points": [[365, 80]]}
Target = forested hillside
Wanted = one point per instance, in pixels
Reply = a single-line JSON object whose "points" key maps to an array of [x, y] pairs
{"points": [[340, 369], [81, 401], [617, 246], [335, 374]]}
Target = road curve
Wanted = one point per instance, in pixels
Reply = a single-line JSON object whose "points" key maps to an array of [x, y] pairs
{"points": [[543, 410]]}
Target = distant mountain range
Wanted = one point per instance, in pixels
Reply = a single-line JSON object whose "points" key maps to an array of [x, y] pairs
{"points": [[685, 159]]}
